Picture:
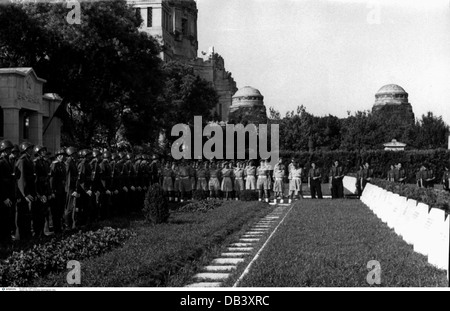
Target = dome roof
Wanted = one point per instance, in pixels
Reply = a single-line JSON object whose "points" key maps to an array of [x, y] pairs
{"points": [[391, 89], [247, 91]]}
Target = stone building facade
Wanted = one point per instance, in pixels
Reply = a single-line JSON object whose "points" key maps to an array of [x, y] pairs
{"points": [[174, 24], [392, 102], [248, 107], [25, 113]]}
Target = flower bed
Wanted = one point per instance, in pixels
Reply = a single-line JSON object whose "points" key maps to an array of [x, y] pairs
{"points": [[21, 267], [432, 197]]}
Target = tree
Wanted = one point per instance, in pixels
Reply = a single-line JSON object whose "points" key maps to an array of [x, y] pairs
{"points": [[107, 72], [431, 132], [185, 95]]}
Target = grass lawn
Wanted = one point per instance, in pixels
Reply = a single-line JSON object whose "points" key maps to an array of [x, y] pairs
{"points": [[329, 243], [169, 254]]}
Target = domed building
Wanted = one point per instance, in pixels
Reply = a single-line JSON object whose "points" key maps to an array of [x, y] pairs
{"points": [[247, 107], [392, 101]]}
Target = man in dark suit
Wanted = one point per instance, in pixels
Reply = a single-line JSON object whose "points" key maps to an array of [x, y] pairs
{"points": [[336, 181], [315, 181]]}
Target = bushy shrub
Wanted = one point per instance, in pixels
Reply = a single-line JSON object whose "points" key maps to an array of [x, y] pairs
{"points": [[156, 206], [432, 197], [22, 267], [248, 195]]}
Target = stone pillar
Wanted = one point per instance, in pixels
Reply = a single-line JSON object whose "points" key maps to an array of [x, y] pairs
{"points": [[11, 124], [36, 128]]}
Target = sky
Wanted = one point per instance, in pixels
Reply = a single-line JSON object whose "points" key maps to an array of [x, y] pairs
{"points": [[332, 56]]}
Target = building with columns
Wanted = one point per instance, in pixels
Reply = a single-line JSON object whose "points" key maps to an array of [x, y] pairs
{"points": [[25, 113], [174, 24]]}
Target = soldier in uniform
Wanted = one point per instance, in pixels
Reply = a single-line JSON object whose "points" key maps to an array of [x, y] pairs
{"points": [[391, 174], [214, 180], [295, 181], [227, 184], [132, 194], [58, 181], [399, 174], [106, 180], [42, 215], [71, 188], [154, 178], [446, 179], [367, 175], [250, 176], [97, 186], [122, 175], [7, 191], [85, 203], [239, 179], [315, 181], [278, 176], [262, 182], [116, 187], [185, 186], [336, 181], [26, 184], [168, 181]]}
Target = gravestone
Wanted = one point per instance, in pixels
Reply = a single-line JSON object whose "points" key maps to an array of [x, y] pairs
{"points": [[439, 242], [424, 239]]}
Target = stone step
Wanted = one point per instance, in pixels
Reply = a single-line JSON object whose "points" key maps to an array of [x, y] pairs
{"points": [[240, 249], [205, 284], [227, 261], [241, 244], [212, 276], [249, 240], [234, 255], [219, 268]]}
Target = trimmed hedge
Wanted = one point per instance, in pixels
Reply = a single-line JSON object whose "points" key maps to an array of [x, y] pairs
{"points": [[432, 197], [380, 161], [156, 206]]}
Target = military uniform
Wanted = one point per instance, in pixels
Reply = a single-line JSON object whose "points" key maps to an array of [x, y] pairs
{"points": [[7, 192], [42, 211], [58, 189], [106, 180], [72, 194], [26, 184], [446, 180], [84, 207]]}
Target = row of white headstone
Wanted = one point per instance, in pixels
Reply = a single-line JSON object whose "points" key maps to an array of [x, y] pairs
{"points": [[427, 230]]}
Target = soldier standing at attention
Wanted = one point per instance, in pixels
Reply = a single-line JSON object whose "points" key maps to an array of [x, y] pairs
{"points": [[167, 185], [42, 170], [399, 174], [227, 184], [85, 204], [261, 183], [13, 158], [278, 186], [391, 174], [202, 177], [239, 179], [71, 189], [7, 193], [26, 184], [315, 181], [214, 184], [295, 181], [58, 189], [250, 176], [116, 184], [106, 180], [446, 179], [336, 181]]}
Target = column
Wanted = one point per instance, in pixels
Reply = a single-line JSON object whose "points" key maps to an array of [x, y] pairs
{"points": [[11, 124], [36, 128]]}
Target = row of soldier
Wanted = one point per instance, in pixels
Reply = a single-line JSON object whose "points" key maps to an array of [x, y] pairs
{"points": [[41, 196], [229, 178]]}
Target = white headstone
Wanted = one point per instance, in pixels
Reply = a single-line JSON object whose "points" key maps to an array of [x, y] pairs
{"points": [[404, 217], [398, 210], [417, 214], [424, 239], [439, 243]]}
